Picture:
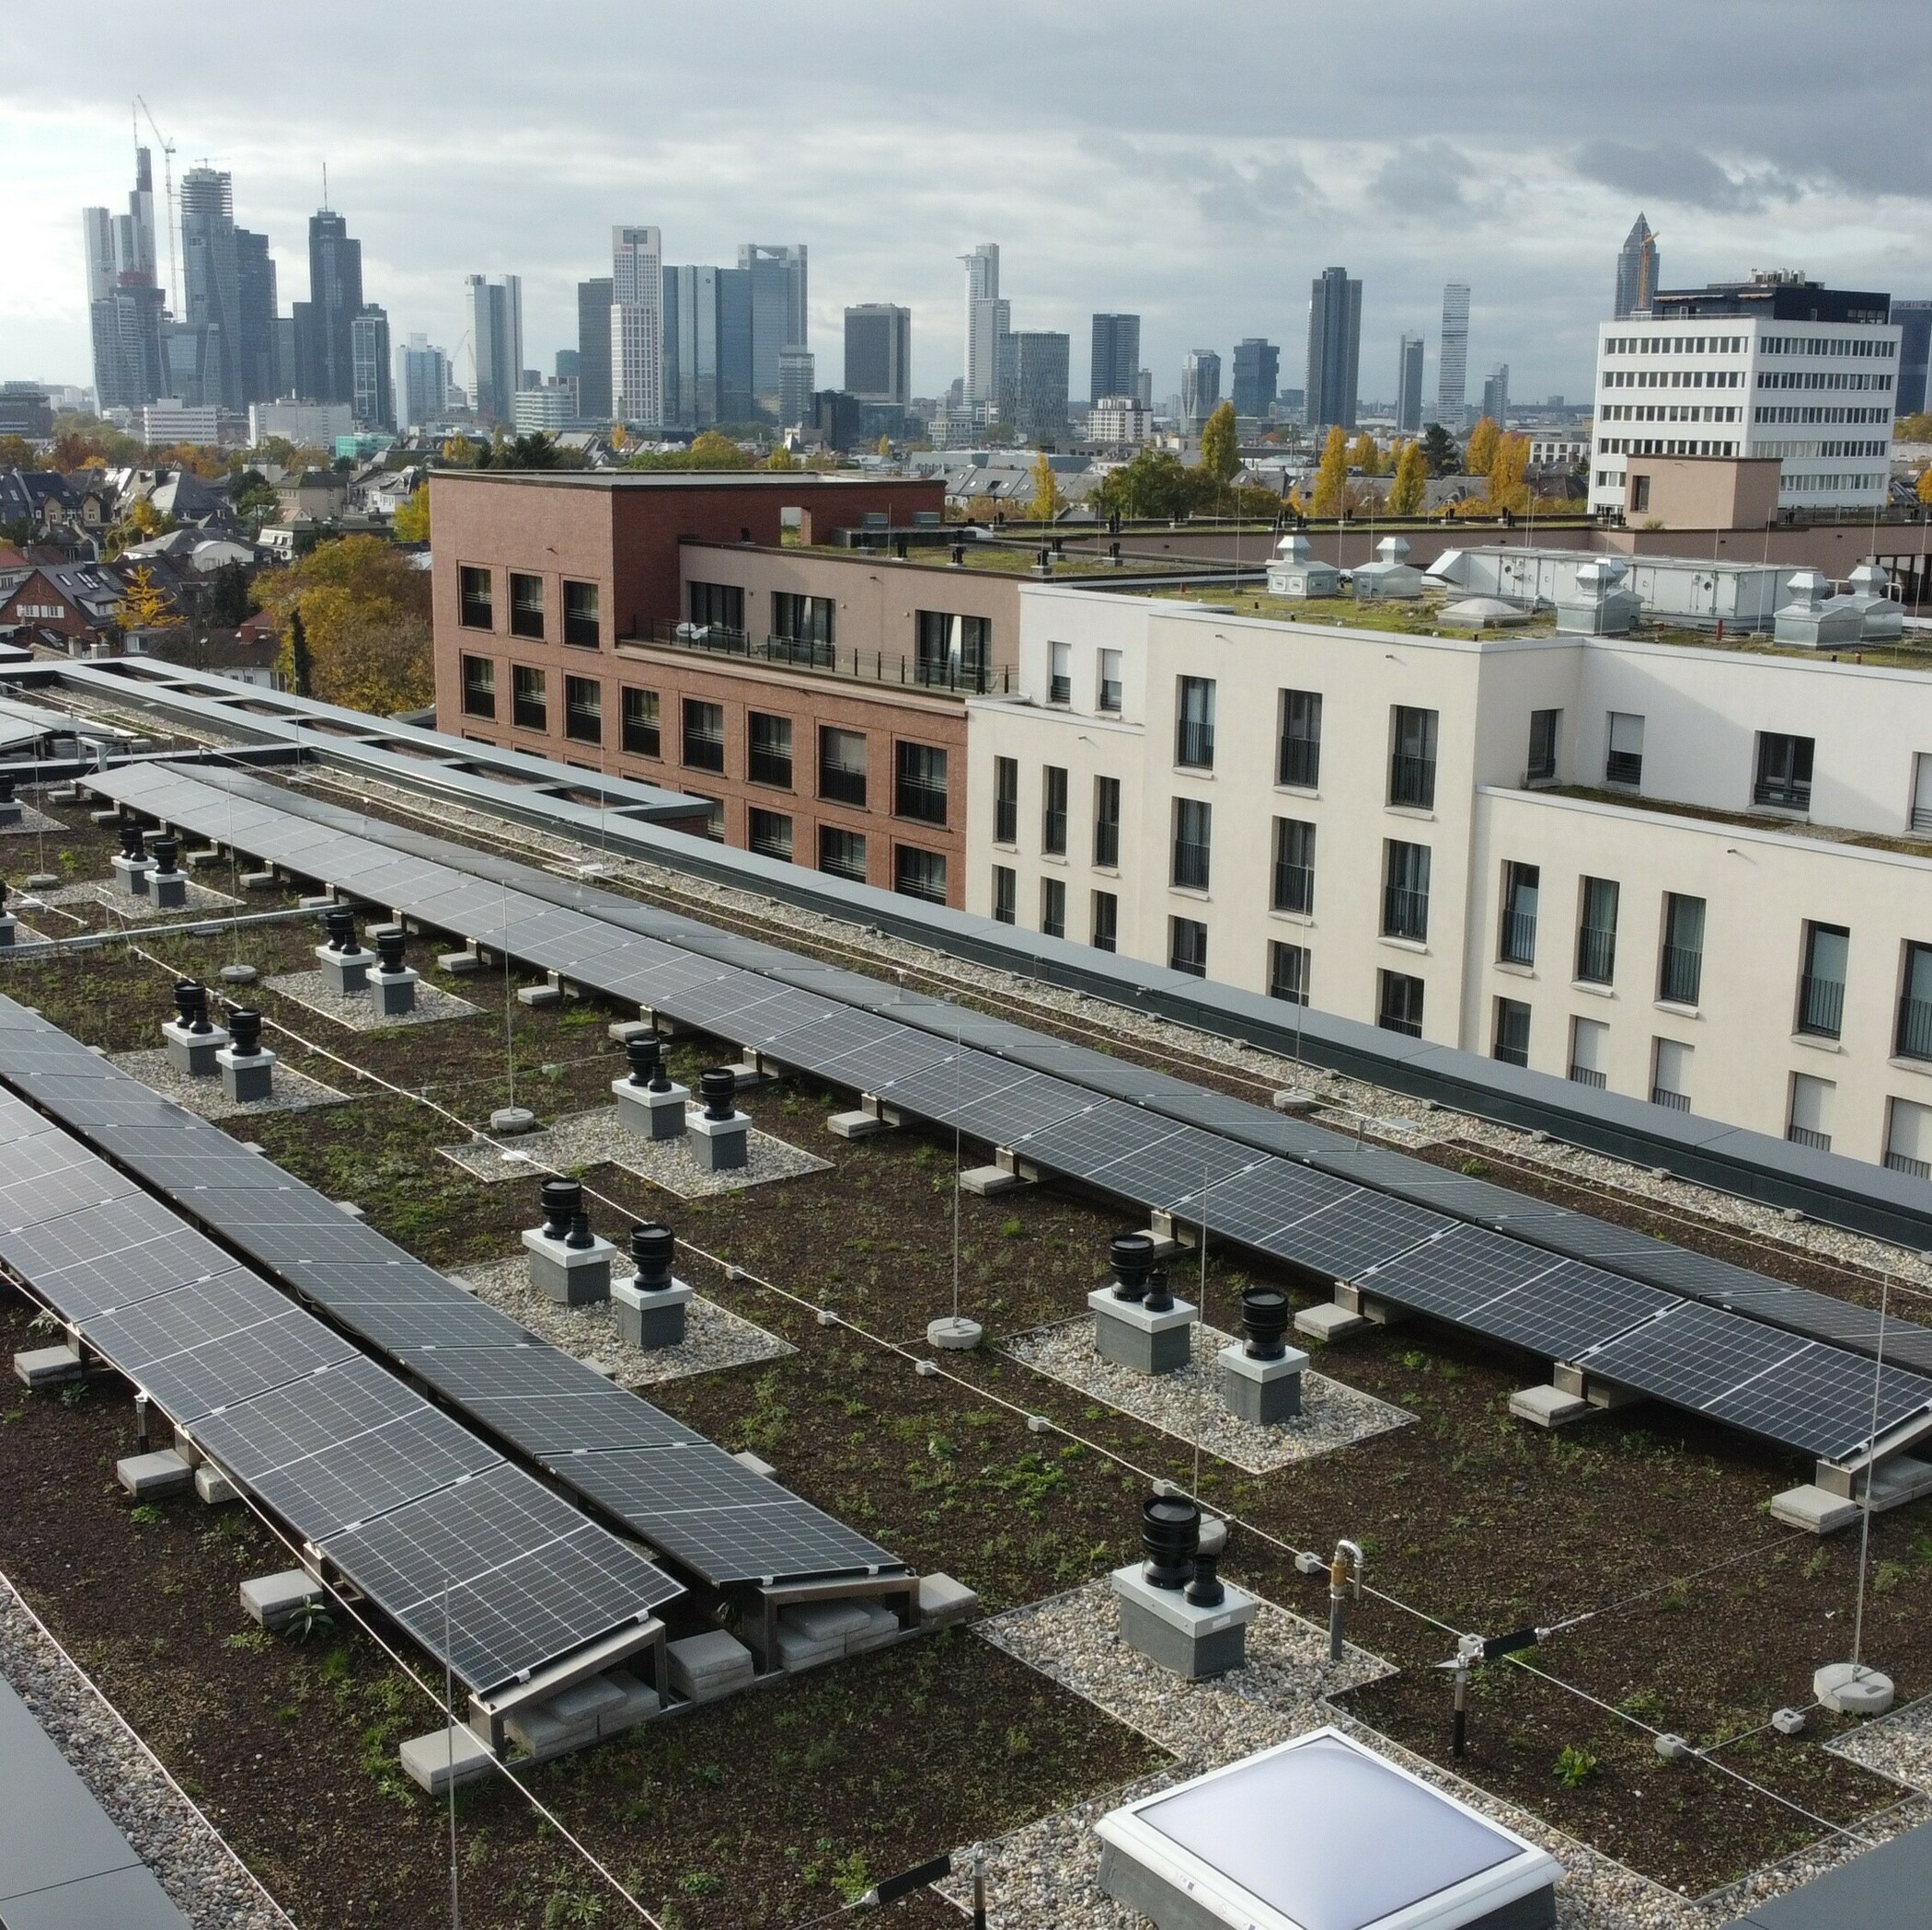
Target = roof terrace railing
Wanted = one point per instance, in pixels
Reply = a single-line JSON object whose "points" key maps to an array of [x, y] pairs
{"points": [[948, 674]]}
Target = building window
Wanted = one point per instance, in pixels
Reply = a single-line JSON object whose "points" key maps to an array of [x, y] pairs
{"points": [[1106, 921], [1810, 1123], [1542, 765], [1005, 800], [1187, 946], [1671, 1074], [716, 605], [1110, 691], [581, 629], [841, 766], [479, 686], [1908, 1139], [919, 874], [768, 832], [640, 722], [1005, 893], [1405, 891], [805, 619], [529, 710], [526, 605], [1784, 772], [768, 750], [1922, 792], [1624, 761], [703, 735], [1194, 725], [1596, 932], [1915, 1031], [1589, 1053], [1053, 811], [954, 652], [1294, 865], [714, 817], [1300, 762], [584, 709], [919, 783], [1193, 827], [1517, 942], [1288, 972], [478, 611], [1682, 965], [1052, 907], [1060, 673], [1513, 1032], [1398, 1004], [1107, 822], [842, 853], [1821, 986], [1412, 771]]}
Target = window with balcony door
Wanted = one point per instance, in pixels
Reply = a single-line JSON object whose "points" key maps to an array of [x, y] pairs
{"points": [[1005, 893], [1052, 907], [478, 611], [1288, 972], [954, 652], [640, 722], [1517, 943], [841, 766], [716, 605], [1194, 724], [1294, 865], [1194, 825], [1398, 1004], [529, 708], [1681, 968], [584, 710], [1914, 1036], [768, 750], [842, 854], [919, 783], [1589, 1053], [1108, 698], [1106, 922], [1671, 1061], [1623, 762], [703, 735], [583, 628], [1783, 779], [919, 874], [1106, 824], [1405, 891], [1809, 1122], [1513, 1032], [526, 605], [1411, 770], [1060, 673], [1005, 800], [479, 686], [768, 832], [1053, 811], [1187, 946], [1922, 791], [808, 620], [1596, 931], [1299, 762], [1821, 984], [1541, 766]]}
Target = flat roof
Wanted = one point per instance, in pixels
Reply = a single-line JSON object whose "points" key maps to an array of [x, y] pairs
{"points": [[779, 479]]}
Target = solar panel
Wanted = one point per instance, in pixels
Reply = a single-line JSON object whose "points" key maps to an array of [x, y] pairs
{"points": [[116, 1256], [1275, 1195], [1357, 1232], [1087, 1144], [545, 1401]]}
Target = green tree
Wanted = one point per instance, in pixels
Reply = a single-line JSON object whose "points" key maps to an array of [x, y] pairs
{"points": [[411, 522], [1439, 451], [364, 612], [1047, 499], [1220, 446], [1411, 483], [1331, 479], [298, 668], [781, 458], [1481, 451], [1156, 486], [229, 603], [1912, 429]]}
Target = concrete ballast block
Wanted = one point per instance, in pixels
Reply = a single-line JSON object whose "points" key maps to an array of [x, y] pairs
{"points": [[1549, 1406], [1330, 1322], [943, 1602], [151, 1477], [445, 1756], [40, 1367], [704, 1667], [270, 1600]]}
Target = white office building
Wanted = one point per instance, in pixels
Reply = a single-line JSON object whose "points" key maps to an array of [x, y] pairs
{"points": [[638, 327], [1626, 864], [1748, 370], [172, 420]]}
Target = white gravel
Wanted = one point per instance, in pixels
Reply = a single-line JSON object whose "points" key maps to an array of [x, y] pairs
{"points": [[359, 1012], [714, 1336], [1188, 1404], [33, 823], [136, 911], [206, 1880], [293, 1091], [1898, 1746], [588, 1139]]}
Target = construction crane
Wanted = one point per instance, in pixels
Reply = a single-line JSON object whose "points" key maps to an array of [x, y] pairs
{"points": [[168, 171]]}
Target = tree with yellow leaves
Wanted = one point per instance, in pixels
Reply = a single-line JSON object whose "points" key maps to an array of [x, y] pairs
{"points": [[1481, 451], [363, 613], [1047, 502], [144, 605], [1221, 445], [885, 445], [781, 458], [1331, 479], [1411, 483], [1365, 455], [1507, 490], [1925, 484], [411, 522]]}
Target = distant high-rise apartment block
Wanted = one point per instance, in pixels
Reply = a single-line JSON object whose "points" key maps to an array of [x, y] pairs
{"points": [[638, 326], [988, 319], [779, 310], [1915, 320], [254, 286], [594, 350], [1496, 395], [1142, 390], [878, 353], [1200, 384], [1636, 270], [323, 322], [564, 365], [1116, 356], [374, 398], [736, 399], [1334, 350], [1408, 386], [796, 381], [422, 382], [496, 335], [1258, 373], [1452, 373], [1041, 369], [210, 283]]}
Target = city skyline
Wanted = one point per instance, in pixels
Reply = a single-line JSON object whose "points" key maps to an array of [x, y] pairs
{"points": [[1244, 219]]}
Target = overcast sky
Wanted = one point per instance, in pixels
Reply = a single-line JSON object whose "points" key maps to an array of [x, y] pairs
{"points": [[1196, 164]]}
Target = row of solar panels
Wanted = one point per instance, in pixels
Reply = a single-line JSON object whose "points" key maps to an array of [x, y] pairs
{"points": [[401, 1499], [1790, 1387], [683, 1495]]}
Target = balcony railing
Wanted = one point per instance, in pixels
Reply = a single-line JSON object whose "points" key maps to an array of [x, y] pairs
{"points": [[1821, 1007], [839, 786], [916, 799], [1006, 820], [703, 752], [1411, 781], [1804, 1137], [1405, 913], [1053, 832], [1676, 1102], [530, 713], [1194, 744], [1110, 696], [1915, 1039], [1597, 955], [1510, 1053], [1294, 888], [1107, 844], [768, 768], [826, 660], [1783, 793], [1585, 1075], [1059, 690], [1922, 817], [1905, 1163], [1300, 763], [1623, 767], [1681, 972], [1519, 938], [1191, 865]]}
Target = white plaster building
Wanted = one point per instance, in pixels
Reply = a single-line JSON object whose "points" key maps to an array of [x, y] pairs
{"points": [[1626, 863]]}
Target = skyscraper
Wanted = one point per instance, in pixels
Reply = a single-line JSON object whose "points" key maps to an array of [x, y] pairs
{"points": [[210, 283], [1040, 361], [495, 333], [1200, 384], [255, 282], [1451, 372], [1496, 395], [422, 382], [1116, 356], [638, 326], [1408, 386], [1915, 320], [369, 355], [691, 346], [97, 245], [124, 299], [1636, 270], [735, 400], [1258, 370], [779, 319], [594, 350], [1334, 350], [335, 299], [796, 381], [878, 353], [987, 319]]}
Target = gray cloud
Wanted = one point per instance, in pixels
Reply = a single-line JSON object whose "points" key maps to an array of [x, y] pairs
{"points": [[1425, 178], [1672, 173]]}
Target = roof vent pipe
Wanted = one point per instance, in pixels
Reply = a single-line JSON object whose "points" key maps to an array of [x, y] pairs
{"points": [[186, 992], [1132, 1257], [389, 949], [644, 1052], [245, 1031], [165, 851], [1170, 1534], [579, 1234], [718, 1087], [652, 1247], [1264, 1320], [1160, 1296], [560, 1200], [338, 921]]}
